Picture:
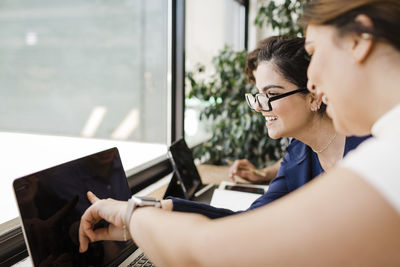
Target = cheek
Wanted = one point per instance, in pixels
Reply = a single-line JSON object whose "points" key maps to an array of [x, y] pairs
{"points": [[314, 79], [289, 108], [338, 112], [280, 107], [340, 123], [340, 117], [312, 71], [321, 71], [311, 74]]}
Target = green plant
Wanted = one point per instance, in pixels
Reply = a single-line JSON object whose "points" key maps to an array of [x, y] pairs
{"points": [[281, 15], [237, 131]]}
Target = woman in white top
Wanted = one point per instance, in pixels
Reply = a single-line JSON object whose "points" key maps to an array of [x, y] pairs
{"points": [[349, 216]]}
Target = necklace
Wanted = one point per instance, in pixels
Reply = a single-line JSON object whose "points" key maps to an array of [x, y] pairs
{"points": [[324, 148]]}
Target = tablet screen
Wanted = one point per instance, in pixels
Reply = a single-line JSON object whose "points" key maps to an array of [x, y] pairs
{"points": [[183, 163]]}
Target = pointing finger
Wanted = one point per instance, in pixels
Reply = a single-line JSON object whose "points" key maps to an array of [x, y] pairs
{"points": [[92, 197]]}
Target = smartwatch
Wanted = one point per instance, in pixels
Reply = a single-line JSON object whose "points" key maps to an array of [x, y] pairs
{"points": [[135, 202]]}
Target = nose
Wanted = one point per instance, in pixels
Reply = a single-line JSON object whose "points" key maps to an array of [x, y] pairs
{"points": [[314, 90], [311, 87]]}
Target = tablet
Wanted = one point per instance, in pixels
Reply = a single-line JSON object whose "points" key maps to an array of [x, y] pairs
{"points": [[185, 170]]}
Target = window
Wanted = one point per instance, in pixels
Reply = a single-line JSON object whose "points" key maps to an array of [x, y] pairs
{"points": [[210, 25], [79, 77]]}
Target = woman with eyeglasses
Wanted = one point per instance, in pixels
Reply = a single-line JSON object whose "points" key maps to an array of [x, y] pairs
{"points": [[349, 216], [278, 68], [283, 60]]}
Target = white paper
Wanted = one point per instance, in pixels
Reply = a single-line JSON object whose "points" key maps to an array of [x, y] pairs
{"points": [[233, 200]]}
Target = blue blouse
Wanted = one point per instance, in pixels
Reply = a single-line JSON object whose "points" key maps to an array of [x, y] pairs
{"points": [[299, 166]]}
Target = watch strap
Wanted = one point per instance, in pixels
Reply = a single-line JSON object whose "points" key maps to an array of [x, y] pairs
{"points": [[129, 210]]}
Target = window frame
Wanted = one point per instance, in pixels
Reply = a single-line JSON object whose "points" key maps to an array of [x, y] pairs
{"points": [[245, 3], [143, 176]]}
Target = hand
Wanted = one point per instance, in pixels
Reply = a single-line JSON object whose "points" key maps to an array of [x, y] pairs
{"points": [[113, 211], [244, 169]]}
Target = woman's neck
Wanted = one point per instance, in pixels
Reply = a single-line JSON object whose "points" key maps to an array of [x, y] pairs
{"points": [[321, 136], [333, 153]]}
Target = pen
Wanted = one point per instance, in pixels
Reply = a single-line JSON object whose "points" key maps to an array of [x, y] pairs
{"points": [[255, 171]]}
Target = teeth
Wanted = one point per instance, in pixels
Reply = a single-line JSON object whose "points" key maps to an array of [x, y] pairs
{"points": [[271, 118]]}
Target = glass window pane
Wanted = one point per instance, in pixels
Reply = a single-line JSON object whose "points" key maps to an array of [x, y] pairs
{"points": [[210, 25], [79, 77]]}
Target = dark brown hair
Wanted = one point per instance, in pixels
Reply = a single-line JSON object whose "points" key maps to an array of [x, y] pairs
{"points": [[252, 61], [385, 15], [287, 53]]}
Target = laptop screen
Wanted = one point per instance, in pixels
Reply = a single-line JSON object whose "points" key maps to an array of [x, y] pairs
{"points": [[51, 203]]}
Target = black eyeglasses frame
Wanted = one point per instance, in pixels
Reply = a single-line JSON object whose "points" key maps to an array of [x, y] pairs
{"points": [[270, 99]]}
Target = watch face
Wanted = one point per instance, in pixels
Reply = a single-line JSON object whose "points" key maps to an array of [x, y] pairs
{"points": [[146, 201], [147, 198]]}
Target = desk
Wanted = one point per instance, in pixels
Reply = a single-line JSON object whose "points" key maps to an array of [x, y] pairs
{"points": [[209, 174]]}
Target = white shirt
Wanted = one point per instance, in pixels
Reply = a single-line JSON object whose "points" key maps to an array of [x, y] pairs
{"points": [[377, 160]]}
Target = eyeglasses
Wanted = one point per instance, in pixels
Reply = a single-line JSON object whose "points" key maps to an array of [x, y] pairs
{"points": [[263, 101]]}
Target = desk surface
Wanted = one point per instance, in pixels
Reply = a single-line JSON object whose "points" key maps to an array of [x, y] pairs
{"points": [[210, 174]]}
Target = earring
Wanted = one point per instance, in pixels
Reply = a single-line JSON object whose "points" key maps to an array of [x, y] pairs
{"points": [[325, 100], [315, 108], [366, 36]]}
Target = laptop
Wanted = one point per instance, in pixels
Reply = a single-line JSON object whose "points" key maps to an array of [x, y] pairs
{"points": [[52, 201], [186, 181]]}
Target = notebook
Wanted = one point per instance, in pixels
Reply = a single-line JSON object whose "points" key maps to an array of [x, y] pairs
{"points": [[235, 196], [186, 181], [52, 201]]}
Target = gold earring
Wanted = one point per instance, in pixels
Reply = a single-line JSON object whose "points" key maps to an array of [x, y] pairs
{"points": [[366, 36]]}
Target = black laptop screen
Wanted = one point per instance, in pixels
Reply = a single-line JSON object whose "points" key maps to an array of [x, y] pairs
{"points": [[52, 201]]}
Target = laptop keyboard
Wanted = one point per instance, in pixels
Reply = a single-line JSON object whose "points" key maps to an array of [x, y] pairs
{"points": [[141, 261]]}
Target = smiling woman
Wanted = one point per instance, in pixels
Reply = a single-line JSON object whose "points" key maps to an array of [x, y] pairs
{"points": [[289, 109]]}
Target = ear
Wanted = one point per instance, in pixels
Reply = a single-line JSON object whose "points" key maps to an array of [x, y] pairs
{"points": [[315, 101], [362, 44]]}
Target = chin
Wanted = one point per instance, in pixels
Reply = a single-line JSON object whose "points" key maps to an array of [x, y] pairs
{"points": [[356, 132], [351, 130], [341, 129], [273, 135]]}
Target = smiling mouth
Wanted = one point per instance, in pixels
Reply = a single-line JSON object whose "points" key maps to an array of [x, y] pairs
{"points": [[270, 118]]}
